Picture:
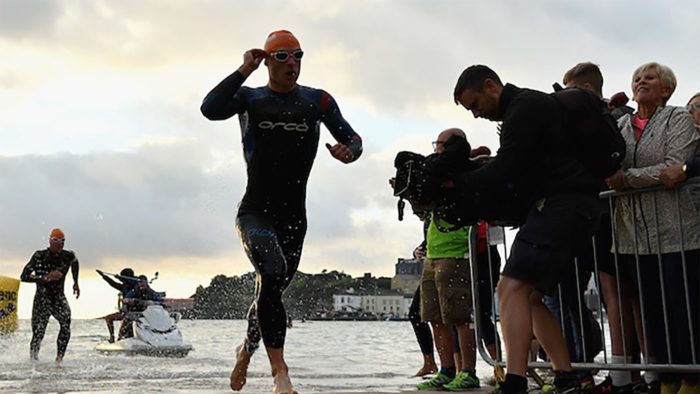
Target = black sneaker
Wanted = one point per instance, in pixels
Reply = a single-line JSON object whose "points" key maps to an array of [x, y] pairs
{"points": [[605, 387], [587, 384], [642, 387]]}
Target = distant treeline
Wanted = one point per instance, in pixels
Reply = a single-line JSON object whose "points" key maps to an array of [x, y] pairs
{"points": [[307, 295]]}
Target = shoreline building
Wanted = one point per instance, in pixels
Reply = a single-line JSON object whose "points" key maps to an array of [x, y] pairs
{"points": [[382, 302], [407, 275]]}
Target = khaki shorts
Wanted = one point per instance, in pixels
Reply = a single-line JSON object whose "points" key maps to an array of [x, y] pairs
{"points": [[445, 291]]}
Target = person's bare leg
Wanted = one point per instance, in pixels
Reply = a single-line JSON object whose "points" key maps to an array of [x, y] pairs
{"points": [[109, 319], [457, 356], [631, 302], [280, 372], [609, 289], [239, 373], [429, 365], [534, 349], [493, 352], [637, 313], [516, 322], [123, 328], [548, 332], [467, 346], [445, 344]]}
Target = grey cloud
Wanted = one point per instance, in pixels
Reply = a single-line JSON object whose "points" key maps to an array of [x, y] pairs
{"points": [[28, 19], [161, 201], [336, 190], [167, 200], [421, 50], [143, 34], [409, 53], [157, 201]]}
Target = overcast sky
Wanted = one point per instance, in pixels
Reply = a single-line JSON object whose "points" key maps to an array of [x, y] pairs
{"points": [[101, 134]]}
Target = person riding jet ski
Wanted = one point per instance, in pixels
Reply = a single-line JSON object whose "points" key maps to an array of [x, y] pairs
{"points": [[136, 300]]}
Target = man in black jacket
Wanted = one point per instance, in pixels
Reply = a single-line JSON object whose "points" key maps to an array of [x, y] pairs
{"points": [[559, 214]]}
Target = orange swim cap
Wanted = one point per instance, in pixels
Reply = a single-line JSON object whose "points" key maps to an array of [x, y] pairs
{"points": [[57, 233], [281, 39]]}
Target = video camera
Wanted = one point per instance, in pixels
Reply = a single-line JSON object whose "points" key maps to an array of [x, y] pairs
{"points": [[427, 183], [414, 183], [420, 180]]}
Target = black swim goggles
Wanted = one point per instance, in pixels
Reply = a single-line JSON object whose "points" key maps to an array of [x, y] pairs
{"points": [[282, 56]]}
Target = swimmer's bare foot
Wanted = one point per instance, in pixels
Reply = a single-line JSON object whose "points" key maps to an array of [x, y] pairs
{"points": [[59, 361], [426, 370], [283, 385], [240, 369]]}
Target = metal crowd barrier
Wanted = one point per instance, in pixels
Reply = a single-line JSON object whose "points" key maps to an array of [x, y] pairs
{"points": [[602, 360]]}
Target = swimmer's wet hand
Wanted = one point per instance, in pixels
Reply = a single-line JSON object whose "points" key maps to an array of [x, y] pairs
{"points": [[251, 61], [53, 276], [340, 152]]}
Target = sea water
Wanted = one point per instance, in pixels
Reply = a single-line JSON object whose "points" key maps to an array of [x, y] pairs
{"points": [[323, 357]]}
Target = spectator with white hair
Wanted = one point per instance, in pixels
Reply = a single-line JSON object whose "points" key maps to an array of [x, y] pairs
{"points": [[647, 224]]}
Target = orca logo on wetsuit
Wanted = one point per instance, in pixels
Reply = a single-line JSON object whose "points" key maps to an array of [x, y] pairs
{"points": [[267, 125], [260, 232]]}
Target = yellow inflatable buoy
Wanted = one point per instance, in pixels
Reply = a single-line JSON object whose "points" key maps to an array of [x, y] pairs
{"points": [[9, 290]]}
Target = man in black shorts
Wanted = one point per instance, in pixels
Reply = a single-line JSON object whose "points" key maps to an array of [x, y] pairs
{"points": [[280, 126], [537, 162], [48, 268]]}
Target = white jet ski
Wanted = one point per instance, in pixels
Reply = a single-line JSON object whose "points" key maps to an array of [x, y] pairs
{"points": [[155, 333]]}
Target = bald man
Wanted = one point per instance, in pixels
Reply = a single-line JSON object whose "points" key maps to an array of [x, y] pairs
{"points": [[446, 297]]}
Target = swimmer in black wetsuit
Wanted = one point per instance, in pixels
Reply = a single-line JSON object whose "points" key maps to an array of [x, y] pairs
{"points": [[280, 128], [48, 269]]}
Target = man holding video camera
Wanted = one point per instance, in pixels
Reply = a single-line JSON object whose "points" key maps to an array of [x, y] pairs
{"points": [[446, 298], [558, 217]]}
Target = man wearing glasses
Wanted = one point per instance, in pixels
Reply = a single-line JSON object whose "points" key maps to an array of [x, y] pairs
{"points": [[446, 298], [280, 135], [48, 269]]}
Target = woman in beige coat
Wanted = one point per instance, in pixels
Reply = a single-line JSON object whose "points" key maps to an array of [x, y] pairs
{"points": [[649, 234]]}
